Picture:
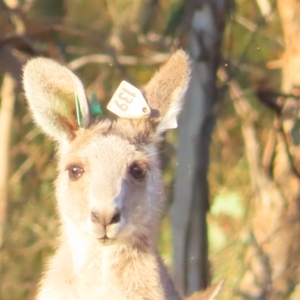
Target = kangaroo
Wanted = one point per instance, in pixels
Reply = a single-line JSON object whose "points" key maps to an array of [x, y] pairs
{"points": [[109, 188]]}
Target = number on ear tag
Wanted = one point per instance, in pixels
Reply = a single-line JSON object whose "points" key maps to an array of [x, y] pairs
{"points": [[128, 102]]}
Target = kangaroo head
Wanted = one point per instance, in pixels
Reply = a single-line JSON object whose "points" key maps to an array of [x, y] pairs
{"points": [[109, 183]]}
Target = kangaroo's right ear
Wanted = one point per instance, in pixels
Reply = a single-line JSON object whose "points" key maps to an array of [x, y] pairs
{"points": [[166, 89], [50, 90]]}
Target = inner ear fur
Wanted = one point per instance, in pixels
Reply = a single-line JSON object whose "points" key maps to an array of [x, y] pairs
{"points": [[50, 90]]}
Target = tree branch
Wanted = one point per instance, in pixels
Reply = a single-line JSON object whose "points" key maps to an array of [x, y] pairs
{"points": [[6, 115], [122, 59]]}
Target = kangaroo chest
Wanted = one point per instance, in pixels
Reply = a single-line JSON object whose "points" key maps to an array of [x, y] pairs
{"points": [[110, 276]]}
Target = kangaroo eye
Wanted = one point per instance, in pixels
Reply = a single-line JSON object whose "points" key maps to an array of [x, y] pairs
{"points": [[137, 172], [75, 172]]}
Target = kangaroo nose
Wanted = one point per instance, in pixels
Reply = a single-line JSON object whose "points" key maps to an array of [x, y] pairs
{"points": [[106, 219]]}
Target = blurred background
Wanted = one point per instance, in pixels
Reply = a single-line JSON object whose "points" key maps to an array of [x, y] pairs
{"points": [[231, 170]]}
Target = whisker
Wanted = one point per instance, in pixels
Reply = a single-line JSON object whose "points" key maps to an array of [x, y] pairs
{"points": [[155, 208]]}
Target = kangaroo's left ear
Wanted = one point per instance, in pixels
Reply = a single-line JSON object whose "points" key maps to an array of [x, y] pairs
{"points": [[165, 91], [50, 89]]}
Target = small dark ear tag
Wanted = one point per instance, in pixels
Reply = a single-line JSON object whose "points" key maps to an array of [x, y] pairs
{"points": [[95, 105], [96, 109]]}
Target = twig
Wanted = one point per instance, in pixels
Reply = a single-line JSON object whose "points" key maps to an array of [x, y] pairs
{"points": [[15, 178], [264, 260], [246, 23], [269, 151], [123, 60], [6, 115], [287, 149], [42, 32], [265, 8]]}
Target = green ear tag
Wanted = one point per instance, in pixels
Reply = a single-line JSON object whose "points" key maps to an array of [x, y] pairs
{"points": [[95, 105], [78, 111]]}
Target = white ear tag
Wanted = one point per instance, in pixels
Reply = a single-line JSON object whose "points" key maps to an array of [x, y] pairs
{"points": [[128, 102]]}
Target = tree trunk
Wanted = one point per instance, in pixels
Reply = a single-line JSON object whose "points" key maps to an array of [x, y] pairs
{"points": [[204, 22]]}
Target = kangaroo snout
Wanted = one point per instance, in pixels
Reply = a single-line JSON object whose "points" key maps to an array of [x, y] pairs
{"points": [[105, 223], [105, 218]]}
